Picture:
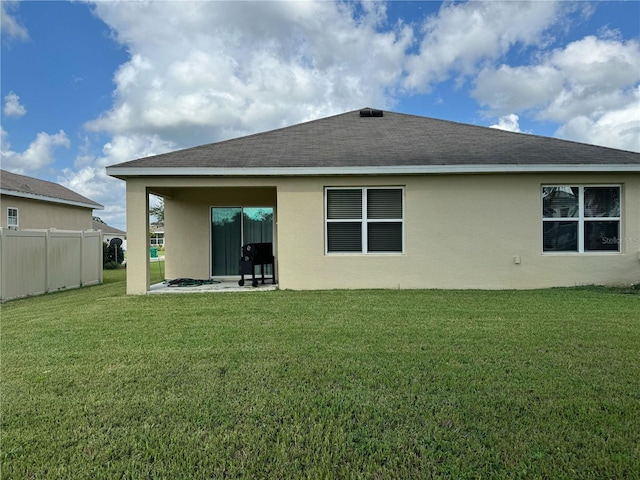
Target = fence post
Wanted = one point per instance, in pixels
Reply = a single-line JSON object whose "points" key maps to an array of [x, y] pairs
{"points": [[47, 262], [101, 249], [2, 268], [82, 240]]}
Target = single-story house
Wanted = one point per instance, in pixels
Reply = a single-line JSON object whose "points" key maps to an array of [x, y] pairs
{"points": [[373, 199], [31, 203]]}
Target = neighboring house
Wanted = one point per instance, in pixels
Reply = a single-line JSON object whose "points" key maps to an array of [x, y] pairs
{"points": [[109, 232], [30, 203], [371, 199], [156, 238], [46, 242]]}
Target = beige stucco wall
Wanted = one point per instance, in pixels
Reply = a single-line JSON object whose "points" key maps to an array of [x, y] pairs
{"points": [[36, 214], [461, 231], [137, 236]]}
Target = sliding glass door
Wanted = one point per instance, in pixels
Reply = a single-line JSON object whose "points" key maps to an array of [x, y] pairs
{"points": [[233, 227], [226, 235]]}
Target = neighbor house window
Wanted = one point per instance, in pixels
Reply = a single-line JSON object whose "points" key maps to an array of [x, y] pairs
{"points": [[581, 218], [364, 220], [157, 239], [12, 217]]}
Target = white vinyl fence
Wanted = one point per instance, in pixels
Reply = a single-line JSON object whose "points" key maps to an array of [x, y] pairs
{"points": [[33, 262]]}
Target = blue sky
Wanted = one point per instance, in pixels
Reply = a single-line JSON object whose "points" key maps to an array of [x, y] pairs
{"points": [[85, 85]]}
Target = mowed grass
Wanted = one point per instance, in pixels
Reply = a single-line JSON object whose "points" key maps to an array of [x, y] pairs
{"points": [[322, 384]]}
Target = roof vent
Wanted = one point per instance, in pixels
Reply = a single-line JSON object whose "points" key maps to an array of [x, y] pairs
{"points": [[370, 112]]}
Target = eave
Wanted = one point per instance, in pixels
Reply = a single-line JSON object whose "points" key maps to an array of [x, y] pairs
{"points": [[43, 198], [124, 172]]}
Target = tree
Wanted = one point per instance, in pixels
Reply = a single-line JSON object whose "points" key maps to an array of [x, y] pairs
{"points": [[157, 211]]}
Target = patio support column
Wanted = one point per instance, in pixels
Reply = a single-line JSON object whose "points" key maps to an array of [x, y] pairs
{"points": [[137, 237]]}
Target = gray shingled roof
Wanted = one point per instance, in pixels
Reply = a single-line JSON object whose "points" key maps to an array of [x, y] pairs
{"points": [[108, 229], [23, 186], [395, 139]]}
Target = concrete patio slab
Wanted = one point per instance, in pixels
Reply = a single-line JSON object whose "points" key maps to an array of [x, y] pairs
{"points": [[218, 287]]}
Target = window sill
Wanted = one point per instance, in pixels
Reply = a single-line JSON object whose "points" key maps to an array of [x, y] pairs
{"points": [[357, 254], [573, 254]]}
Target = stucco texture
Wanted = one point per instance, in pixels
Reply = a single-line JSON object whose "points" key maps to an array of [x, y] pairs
{"points": [[460, 231], [39, 214]]}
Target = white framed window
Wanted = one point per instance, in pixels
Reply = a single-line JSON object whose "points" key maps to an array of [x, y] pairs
{"points": [[157, 239], [581, 218], [12, 217], [364, 220]]}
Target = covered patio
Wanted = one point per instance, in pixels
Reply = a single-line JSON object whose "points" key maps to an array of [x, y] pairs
{"points": [[206, 224]]}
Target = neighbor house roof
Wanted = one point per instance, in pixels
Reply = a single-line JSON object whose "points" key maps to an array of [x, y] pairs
{"points": [[28, 187], [156, 228], [370, 141], [98, 224]]}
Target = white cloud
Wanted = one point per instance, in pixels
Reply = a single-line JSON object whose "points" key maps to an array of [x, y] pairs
{"points": [[123, 148], [510, 123], [599, 75], [508, 89], [590, 85], [93, 183], [464, 36], [37, 156], [8, 23], [205, 71], [89, 177], [12, 106], [619, 128]]}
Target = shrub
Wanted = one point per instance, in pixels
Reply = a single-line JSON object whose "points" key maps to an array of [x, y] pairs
{"points": [[112, 254]]}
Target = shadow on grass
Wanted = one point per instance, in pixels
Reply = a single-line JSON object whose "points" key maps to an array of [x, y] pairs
{"points": [[633, 289]]}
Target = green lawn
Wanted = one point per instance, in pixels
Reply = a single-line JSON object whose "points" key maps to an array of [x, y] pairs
{"points": [[327, 384]]}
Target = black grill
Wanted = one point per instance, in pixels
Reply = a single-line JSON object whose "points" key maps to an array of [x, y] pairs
{"points": [[253, 255]]}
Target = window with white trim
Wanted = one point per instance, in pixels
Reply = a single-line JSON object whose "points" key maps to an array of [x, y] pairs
{"points": [[364, 220], [12, 217], [157, 239], [581, 218]]}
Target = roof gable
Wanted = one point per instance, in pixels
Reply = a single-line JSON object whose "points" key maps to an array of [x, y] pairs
{"points": [[388, 140], [29, 187]]}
